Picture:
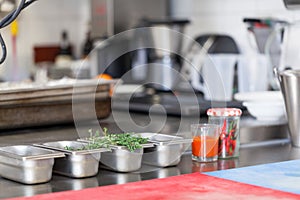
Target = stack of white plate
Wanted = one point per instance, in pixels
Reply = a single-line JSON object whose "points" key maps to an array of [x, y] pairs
{"points": [[264, 105]]}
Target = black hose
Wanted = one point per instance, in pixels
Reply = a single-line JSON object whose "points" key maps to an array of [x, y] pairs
{"points": [[9, 18]]}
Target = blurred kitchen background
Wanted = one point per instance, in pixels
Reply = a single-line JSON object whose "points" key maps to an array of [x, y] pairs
{"points": [[41, 25]]}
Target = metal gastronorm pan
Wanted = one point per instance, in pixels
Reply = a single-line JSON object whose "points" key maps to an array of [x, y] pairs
{"points": [[167, 149], [120, 159], [27, 164], [76, 163]]}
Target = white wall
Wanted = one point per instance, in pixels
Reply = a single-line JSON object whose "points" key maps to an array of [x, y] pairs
{"points": [[226, 16], [42, 23]]}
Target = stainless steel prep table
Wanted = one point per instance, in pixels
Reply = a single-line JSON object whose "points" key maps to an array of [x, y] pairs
{"points": [[261, 143]]}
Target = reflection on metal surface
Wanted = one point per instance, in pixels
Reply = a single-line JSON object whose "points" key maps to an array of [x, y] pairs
{"points": [[164, 172], [108, 177], [61, 183], [228, 163], [204, 167], [13, 189]]}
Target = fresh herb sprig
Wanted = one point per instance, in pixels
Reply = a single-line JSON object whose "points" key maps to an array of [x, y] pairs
{"points": [[128, 140]]}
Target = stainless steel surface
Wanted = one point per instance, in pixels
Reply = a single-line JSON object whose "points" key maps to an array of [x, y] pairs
{"points": [[167, 150], [77, 163], [122, 160], [252, 132], [66, 183], [11, 189], [290, 87], [107, 177], [27, 164]]}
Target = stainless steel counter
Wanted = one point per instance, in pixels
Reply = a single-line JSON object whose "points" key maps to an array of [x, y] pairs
{"points": [[262, 142]]}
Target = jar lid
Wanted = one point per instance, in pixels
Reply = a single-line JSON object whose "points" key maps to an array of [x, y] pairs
{"points": [[225, 112]]}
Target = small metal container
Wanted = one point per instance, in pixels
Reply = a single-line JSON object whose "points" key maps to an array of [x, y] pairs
{"points": [[77, 163], [167, 149], [27, 164], [122, 160]]}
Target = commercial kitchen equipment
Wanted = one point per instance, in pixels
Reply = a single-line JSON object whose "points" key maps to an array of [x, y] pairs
{"points": [[164, 64], [213, 70], [268, 34]]}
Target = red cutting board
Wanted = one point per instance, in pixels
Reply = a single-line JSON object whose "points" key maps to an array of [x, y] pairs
{"points": [[194, 186]]}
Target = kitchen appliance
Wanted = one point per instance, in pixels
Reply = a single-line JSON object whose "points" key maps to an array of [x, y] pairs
{"points": [[150, 53], [163, 74], [218, 77], [116, 18], [266, 36], [253, 72], [212, 70]]}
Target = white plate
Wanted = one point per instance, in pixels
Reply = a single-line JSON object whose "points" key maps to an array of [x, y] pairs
{"points": [[259, 96], [266, 110]]}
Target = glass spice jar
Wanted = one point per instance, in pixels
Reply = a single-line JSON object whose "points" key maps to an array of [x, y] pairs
{"points": [[228, 119]]}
